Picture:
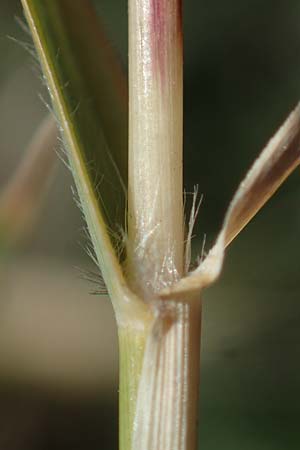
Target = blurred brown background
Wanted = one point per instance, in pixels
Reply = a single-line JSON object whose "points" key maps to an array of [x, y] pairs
{"points": [[58, 354]]}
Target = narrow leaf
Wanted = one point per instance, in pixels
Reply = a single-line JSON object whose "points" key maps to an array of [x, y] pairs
{"points": [[276, 162], [280, 157], [89, 95]]}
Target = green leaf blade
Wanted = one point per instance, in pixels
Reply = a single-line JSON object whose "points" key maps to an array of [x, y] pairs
{"points": [[90, 99]]}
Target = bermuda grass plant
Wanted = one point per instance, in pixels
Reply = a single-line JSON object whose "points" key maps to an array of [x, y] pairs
{"points": [[123, 144]]}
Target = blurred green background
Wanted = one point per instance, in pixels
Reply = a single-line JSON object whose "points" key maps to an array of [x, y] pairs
{"points": [[58, 353]]}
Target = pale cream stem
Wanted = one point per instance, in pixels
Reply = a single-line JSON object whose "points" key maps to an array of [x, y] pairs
{"points": [[161, 400], [167, 402], [155, 206]]}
